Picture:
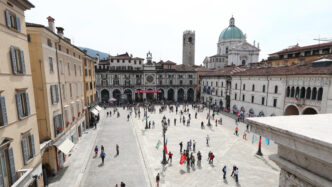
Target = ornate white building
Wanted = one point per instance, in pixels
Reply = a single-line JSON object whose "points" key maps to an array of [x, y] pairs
{"points": [[263, 91], [232, 49], [121, 78]]}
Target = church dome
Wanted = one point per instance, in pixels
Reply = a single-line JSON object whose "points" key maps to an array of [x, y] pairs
{"points": [[231, 32]]}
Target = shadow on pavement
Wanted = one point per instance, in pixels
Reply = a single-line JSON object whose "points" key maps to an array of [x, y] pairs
{"points": [[266, 162], [58, 176], [182, 172]]}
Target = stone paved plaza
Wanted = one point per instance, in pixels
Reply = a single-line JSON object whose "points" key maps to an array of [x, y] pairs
{"points": [[139, 160]]}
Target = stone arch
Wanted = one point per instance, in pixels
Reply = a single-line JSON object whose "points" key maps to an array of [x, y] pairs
{"points": [[308, 93], [180, 95], [309, 111], [105, 95], [243, 109], [161, 95], [251, 112], [117, 95], [128, 95], [150, 96], [190, 95], [291, 110], [261, 114], [170, 94]]}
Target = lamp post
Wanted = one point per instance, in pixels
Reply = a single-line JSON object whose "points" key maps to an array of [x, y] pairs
{"points": [[146, 117], [164, 162], [259, 152], [209, 124]]}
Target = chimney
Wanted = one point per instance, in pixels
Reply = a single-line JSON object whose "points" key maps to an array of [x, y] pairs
{"points": [[60, 31], [51, 23]]}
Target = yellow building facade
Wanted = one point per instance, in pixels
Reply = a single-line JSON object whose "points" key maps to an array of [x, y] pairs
{"points": [[90, 93], [58, 83], [20, 158]]}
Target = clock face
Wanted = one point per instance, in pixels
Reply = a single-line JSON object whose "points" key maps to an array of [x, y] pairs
{"points": [[149, 78]]}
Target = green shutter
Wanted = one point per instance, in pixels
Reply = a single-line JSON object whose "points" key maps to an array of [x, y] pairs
{"points": [[55, 126], [22, 61], [52, 94], [19, 106], [8, 18], [56, 93], [32, 140], [25, 151], [28, 103], [3, 110], [2, 155], [18, 23], [60, 121], [12, 164], [13, 59]]}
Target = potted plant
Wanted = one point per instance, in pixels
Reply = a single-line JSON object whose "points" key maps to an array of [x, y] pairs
{"points": [[73, 118], [79, 113], [67, 123]]}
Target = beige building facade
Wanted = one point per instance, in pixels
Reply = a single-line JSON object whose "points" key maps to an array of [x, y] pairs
{"points": [[20, 160], [58, 83], [90, 94]]}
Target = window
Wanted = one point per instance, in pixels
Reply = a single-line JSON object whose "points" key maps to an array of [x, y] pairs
{"points": [[263, 100], [7, 165], [17, 59], [320, 94], [170, 82], [61, 67], [222, 84], [235, 86], [3, 112], [89, 72], [86, 86], [216, 84], [50, 62], [84, 62], [57, 123], [116, 82], [226, 50], [253, 87], [235, 97], [49, 42], [28, 147], [70, 90], [54, 94], [243, 97], [274, 102], [63, 92], [252, 99], [140, 62], [160, 82], [75, 69], [90, 85], [244, 87], [181, 82], [80, 69], [13, 21], [23, 105], [68, 69], [86, 72], [276, 89], [191, 82], [67, 50], [263, 88], [72, 111]]}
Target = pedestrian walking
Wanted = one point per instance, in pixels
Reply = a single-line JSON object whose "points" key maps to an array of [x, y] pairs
{"points": [[236, 174], [102, 156], [224, 170], [96, 151], [117, 149], [180, 147], [122, 184], [128, 116], [244, 135], [174, 121], [199, 158], [236, 131], [196, 115], [211, 158], [157, 179], [107, 114], [216, 122], [168, 122], [207, 140], [202, 124], [153, 124], [110, 113], [149, 124], [248, 127], [234, 168], [220, 121], [194, 146], [102, 148]]}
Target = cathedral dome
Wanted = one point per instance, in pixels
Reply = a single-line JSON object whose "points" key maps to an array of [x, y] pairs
{"points": [[231, 32]]}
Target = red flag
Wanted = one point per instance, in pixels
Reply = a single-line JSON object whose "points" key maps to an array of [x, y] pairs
{"points": [[207, 116], [165, 146], [183, 159]]}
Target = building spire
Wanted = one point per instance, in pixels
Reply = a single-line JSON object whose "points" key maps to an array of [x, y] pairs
{"points": [[232, 22]]}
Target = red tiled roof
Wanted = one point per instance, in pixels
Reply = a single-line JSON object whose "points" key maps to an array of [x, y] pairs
{"points": [[298, 48]]}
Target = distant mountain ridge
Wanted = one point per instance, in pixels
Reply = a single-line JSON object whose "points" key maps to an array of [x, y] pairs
{"points": [[93, 53]]}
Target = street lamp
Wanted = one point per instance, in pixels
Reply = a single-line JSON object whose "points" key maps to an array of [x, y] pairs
{"points": [[209, 124], [164, 162], [146, 117], [259, 152]]}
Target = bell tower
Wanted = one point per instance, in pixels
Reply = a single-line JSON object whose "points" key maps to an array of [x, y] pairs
{"points": [[188, 48]]}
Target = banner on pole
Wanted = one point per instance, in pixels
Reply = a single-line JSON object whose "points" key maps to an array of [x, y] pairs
{"points": [[158, 144], [267, 141], [183, 159]]}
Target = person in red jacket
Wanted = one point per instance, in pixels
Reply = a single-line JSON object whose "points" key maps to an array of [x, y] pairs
{"points": [[211, 157], [170, 155]]}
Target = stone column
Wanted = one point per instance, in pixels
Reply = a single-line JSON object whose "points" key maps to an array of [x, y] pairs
{"points": [[144, 95], [165, 94], [194, 95], [133, 95], [111, 93], [175, 95], [99, 95]]}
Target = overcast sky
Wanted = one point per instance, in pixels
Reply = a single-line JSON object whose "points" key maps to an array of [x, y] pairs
{"points": [[139, 26]]}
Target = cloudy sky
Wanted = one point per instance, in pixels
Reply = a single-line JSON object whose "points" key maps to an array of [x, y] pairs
{"points": [[139, 26]]}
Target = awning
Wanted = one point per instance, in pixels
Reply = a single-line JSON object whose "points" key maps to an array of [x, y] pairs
{"points": [[98, 108], [94, 111], [65, 146]]}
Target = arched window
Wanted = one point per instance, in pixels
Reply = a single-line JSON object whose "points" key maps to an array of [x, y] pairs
{"points": [[308, 94], [314, 94], [320, 94], [226, 50], [264, 88], [287, 91], [275, 89], [302, 92], [235, 86], [244, 86], [253, 87], [243, 62], [293, 92], [297, 92], [190, 39]]}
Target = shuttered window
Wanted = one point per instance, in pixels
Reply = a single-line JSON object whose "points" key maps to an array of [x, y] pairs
{"points": [[12, 21], [17, 59], [50, 62], [7, 167], [57, 122], [28, 147], [23, 104], [54, 89], [3, 111]]}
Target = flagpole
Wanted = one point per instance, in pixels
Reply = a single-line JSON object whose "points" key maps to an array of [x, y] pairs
{"points": [[164, 162], [259, 152], [146, 118]]}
